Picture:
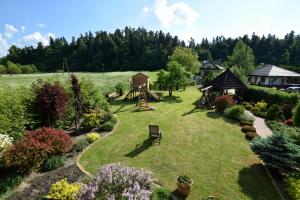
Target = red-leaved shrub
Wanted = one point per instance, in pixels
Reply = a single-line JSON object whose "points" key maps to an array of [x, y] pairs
{"points": [[223, 102], [289, 122], [52, 102], [31, 150]]}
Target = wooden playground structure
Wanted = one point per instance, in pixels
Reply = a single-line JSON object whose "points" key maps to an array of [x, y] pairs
{"points": [[140, 85]]}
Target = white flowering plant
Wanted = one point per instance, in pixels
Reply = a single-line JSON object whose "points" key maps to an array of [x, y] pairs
{"points": [[5, 142]]}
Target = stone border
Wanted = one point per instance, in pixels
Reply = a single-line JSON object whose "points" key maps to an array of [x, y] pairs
{"points": [[77, 163]]}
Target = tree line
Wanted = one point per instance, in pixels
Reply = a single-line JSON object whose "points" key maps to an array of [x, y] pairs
{"points": [[140, 49]]}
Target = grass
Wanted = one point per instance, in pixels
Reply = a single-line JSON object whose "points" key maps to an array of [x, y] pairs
{"points": [[104, 81], [200, 144]]}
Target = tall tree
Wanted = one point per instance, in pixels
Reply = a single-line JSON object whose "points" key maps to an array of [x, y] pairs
{"points": [[186, 57], [242, 57]]}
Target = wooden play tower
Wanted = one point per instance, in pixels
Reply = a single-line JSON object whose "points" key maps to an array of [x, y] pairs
{"points": [[139, 87]]}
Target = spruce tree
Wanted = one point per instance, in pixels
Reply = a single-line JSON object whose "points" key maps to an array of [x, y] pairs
{"points": [[278, 151]]}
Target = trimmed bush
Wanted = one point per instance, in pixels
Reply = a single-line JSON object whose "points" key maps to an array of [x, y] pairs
{"points": [[296, 115], [92, 137], [260, 114], [223, 102], [270, 95], [255, 109], [235, 112], [62, 190], [275, 113], [278, 152], [91, 120], [246, 129], [248, 107], [115, 181], [30, 151], [292, 185], [249, 123], [80, 146], [53, 162], [119, 88], [261, 105], [160, 194], [250, 135], [292, 132], [247, 117]]}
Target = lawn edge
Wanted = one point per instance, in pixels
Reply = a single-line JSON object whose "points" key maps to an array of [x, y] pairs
{"points": [[77, 160]]}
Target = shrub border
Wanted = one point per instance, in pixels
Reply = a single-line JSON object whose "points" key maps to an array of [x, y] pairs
{"points": [[77, 163]]}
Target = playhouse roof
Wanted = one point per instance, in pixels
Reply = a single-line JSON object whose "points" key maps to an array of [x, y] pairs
{"points": [[227, 80], [141, 73]]}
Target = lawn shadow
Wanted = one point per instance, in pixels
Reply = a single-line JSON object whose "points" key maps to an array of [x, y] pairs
{"points": [[122, 104], [140, 148], [175, 195], [172, 99], [194, 110], [252, 183], [216, 115]]}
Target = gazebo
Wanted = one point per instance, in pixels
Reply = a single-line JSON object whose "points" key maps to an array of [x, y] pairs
{"points": [[227, 80], [220, 85]]}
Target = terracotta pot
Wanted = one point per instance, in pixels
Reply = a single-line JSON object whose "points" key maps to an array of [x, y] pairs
{"points": [[184, 189]]}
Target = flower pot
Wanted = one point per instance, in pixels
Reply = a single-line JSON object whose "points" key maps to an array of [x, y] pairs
{"points": [[184, 189]]}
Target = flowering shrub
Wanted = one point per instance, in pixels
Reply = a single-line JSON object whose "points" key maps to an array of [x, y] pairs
{"points": [[62, 190], [5, 142], [115, 181], [293, 186], [223, 102], [235, 112], [35, 146], [262, 105], [92, 137]]}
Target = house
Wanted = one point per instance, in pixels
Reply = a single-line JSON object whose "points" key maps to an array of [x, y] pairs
{"points": [[209, 66], [270, 75]]}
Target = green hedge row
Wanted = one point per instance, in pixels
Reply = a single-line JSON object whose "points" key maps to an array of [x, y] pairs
{"points": [[270, 95]]}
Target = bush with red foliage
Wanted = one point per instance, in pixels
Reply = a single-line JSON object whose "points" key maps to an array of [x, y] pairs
{"points": [[289, 122], [52, 102], [223, 102], [31, 150], [287, 110]]}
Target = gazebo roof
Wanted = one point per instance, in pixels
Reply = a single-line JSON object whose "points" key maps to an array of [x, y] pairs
{"points": [[227, 80]]}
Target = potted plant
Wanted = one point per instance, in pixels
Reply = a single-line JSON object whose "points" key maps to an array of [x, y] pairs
{"points": [[184, 185]]}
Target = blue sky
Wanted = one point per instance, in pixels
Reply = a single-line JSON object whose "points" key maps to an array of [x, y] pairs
{"points": [[31, 21]]}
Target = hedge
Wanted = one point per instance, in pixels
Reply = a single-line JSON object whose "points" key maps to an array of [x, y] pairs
{"points": [[270, 95]]}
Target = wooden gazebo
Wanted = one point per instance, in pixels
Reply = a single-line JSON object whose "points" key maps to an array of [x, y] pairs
{"points": [[227, 80], [220, 85]]}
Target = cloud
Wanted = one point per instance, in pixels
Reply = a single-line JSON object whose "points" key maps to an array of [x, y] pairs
{"points": [[23, 29], [3, 46], [174, 14], [10, 30], [146, 9], [37, 37], [41, 25]]}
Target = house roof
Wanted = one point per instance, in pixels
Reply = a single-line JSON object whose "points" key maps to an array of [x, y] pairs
{"points": [[272, 70], [227, 80], [141, 73], [214, 64]]}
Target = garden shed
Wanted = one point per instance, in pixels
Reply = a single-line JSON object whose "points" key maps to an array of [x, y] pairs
{"points": [[227, 80]]}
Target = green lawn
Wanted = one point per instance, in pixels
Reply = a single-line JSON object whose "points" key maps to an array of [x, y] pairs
{"points": [[105, 82], [200, 144]]}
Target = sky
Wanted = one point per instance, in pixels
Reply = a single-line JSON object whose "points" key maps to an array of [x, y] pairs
{"points": [[24, 23]]}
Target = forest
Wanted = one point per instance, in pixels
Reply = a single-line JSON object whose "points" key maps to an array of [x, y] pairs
{"points": [[140, 49]]}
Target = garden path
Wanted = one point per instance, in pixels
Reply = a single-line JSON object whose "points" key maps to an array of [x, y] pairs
{"points": [[261, 128]]}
